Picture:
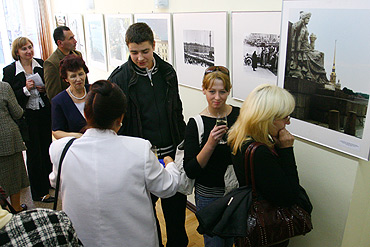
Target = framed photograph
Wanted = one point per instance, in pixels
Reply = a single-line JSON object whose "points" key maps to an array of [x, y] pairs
{"points": [[162, 30], [95, 41], [200, 41], [116, 27], [255, 50], [324, 63], [60, 20], [75, 23]]}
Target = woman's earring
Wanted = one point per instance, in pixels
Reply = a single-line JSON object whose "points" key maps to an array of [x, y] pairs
{"points": [[120, 124]]}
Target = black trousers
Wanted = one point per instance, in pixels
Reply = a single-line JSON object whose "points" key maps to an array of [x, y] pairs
{"points": [[174, 210], [38, 160]]}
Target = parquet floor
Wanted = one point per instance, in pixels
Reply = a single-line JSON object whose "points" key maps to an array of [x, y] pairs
{"points": [[191, 224]]}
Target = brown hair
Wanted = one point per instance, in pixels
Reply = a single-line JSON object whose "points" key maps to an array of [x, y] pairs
{"points": [[209, 79], [105, 103], [17, 44], [71, 63]]}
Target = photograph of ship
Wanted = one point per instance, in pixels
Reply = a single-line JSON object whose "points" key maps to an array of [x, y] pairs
{"points": [[326, 69], [199, 47]]}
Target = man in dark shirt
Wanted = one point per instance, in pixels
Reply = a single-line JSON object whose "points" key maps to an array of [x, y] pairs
{"points": [[154, 113]]}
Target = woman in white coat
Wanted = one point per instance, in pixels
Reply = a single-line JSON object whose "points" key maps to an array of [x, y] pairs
{"points": [[106, 179]]}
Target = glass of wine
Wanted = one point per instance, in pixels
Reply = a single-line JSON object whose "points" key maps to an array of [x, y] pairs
{"points": [[221, 120]]}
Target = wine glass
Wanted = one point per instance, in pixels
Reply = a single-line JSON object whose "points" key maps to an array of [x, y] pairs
{"points": [[221, 120]]}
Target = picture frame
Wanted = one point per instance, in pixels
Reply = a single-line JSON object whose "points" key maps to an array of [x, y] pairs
{"points": [[255, 50], [76, 24], [95, 41], [60, 19], [200, 41], [161, 24], [327, 73], [116, 26]]}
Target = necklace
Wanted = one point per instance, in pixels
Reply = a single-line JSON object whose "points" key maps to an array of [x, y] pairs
{"points": [[212, 114], [69, 90]]}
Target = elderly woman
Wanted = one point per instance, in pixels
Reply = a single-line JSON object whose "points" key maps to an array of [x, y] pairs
{"points": [[107, 179], [208, 162], [263, 117], [26, 77], [67, 107]]}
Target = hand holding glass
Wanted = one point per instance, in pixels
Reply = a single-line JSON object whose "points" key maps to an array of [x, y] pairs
{"points": [[221, 120]]}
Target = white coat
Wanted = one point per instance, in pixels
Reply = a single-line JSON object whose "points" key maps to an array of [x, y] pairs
{"points": [[106, 181]]}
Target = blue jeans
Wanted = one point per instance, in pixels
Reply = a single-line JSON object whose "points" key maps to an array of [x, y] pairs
{"points": [[201, 202]]}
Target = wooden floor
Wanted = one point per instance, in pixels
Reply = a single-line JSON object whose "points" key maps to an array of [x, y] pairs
{"points": [[191, 224]]}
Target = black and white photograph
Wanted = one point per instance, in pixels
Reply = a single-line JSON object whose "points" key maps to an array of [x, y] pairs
{"points": [[325, 67], [255, 50], [75, 23], [199, 48], [162, 30], [200, 41], [116, 27], [60, 20], [95, 41]]}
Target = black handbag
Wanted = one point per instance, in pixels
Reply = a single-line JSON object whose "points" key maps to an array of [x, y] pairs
{"points": [[270, 224], [65, 149]]}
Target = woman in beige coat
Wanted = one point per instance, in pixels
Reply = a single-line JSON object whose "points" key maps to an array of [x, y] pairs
{"points": [[13, 176]]}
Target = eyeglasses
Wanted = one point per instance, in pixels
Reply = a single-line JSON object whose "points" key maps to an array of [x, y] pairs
{"points": [[216, 68], [287, 118]]}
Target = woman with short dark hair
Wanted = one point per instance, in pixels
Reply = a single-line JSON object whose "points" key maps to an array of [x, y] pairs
{"points": [[106, 179], [67, 107]]}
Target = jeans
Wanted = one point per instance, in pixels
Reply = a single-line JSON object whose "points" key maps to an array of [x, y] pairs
{"points": [[201, 202]]}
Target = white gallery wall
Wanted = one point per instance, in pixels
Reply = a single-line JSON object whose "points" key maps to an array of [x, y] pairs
{"points": [[338, 185]]}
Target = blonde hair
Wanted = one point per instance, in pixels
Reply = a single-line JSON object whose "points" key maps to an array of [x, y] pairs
{"points": [[209, 80], [17, 44], [262, 106]]}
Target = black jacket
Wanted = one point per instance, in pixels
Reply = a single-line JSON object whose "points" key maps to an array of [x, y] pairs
{"points": [[125, 77], [17, 82]]}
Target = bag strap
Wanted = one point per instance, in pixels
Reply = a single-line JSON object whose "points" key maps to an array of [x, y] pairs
{"points": [[199, 121], [69, 143], [249, 159]]}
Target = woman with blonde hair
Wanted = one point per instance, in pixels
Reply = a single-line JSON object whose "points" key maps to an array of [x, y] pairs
{"points": [[263, 117], [26, 77]]}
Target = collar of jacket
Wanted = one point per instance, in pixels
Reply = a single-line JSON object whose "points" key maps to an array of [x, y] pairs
{"points": [[61, 54], [163, 67]]}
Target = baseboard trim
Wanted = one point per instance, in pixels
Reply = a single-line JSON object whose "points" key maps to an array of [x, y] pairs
{"points": [[191, 206]]}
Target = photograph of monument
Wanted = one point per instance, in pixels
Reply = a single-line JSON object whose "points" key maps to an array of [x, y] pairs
{"points": [[200, 41], [199, 47], [327, 68]]}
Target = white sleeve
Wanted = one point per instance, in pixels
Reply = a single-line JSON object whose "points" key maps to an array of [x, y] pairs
{"points": [[160, 181], [55, 151]]}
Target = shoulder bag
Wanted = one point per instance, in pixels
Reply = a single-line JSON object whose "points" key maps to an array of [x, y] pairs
{"points": [[65, 149], [186, 184], [267, 223]]}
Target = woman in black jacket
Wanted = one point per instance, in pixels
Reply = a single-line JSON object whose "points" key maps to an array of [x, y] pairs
{"points": [[263, 118], [26, 77]]}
